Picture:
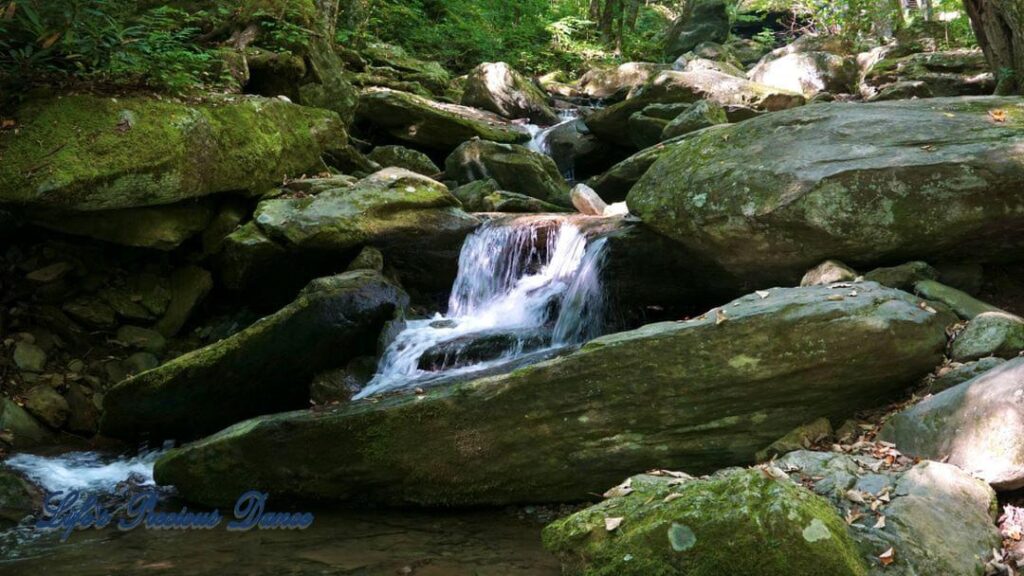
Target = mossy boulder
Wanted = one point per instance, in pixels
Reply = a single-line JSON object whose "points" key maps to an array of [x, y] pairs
{"points": [[487, 196], [159, 227], [966, 306], [432, 125], [943, 73], [19, 429], [18, 498], [614, 184], [703, 114], [743, 522], [614, 84], [702, 394], [264, 368], [977, 425], [496, 87], [400, 157], [999, 334], [689, 87], [772, 196], [702, 21], [428, 73], [87, 153], [515, 168]]}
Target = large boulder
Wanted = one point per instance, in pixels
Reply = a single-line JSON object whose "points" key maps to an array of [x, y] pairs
{"points": [[414, 220], [702, 21], [496, 87], [388, 57], [734, 522], [433, 125], [808, 66], [773, 196], [702, 394], [905, 507], [670, 86], [265, 368], [579, 152], [86, 153], [515, 168], [951, 73], [999, 334], [159, 227], [977, 425], [615, 183], [614, 84]]}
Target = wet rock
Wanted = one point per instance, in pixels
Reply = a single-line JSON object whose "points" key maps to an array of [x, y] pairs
{"points": [[918, 506], [50, 273], [45, 403], [957, 373], [577, 151], [586, 200], [106, 154], [828, 272], [614, 184], [727, 384], [515, 168], [433, 125], [998, 334], [701, 115], [669, 525], [976, 425], [189, 286], [29, 357], [486, 196], [141, 338], [702, 21], [801, 438], [496, 87], [401, 157], [264, 368], [229, 217], [859, 187], [18, 498], [138, 363], [477, 348], [904, 276], [91, 311], [341, 384], [19, 429], [965, 305]]}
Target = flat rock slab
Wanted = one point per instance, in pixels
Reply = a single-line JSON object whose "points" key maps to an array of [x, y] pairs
{"points": [[697, 395]]}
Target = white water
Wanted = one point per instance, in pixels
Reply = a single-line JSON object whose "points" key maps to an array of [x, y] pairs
{"points": [[533, 277], [539, 136], [85, 471]]}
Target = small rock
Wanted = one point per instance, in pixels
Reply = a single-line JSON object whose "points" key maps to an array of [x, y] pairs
{"points": [[904, 276], [47, 404], [369, 258], [965, 305], [142, 338], [616, 209], [91, 311], [29, 357], [50, 273], [990, 334], [828, 272], [19, 428], [800, 438], [586, 200], [189, 286]]}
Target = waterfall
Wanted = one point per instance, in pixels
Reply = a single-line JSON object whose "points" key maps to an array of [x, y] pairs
{"points": [[539, 136], [524, 284]]}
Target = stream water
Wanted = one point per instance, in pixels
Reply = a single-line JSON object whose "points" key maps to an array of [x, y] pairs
{"points": [[527, 288]]}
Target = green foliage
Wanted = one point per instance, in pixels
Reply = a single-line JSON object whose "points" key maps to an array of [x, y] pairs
{"points": [[531, 35], [100, 41]]}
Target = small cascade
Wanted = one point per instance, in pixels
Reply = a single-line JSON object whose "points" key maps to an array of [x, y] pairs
{"points": [[86, 471], [539, 136], [524, 285]]}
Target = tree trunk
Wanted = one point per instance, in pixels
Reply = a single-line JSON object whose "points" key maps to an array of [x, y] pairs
{"points": [[595, 10], [999, 27], [632, 14]]}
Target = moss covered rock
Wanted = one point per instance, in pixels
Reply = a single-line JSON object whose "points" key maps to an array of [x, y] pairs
{"points": [[487, 196], [496, 87], [265, 368], [432, 125], [701, 394], [88, 153], [743, 522], [772, 196], [688, 87], [999, 334], [701, 115], [949, 73], [160, 227], [399, 157], [515, 168]]}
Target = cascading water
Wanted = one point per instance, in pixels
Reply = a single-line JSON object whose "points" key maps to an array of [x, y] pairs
{"points": [[524, 285], [539, 136]]}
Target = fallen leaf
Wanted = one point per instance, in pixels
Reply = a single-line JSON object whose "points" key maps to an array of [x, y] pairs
{"points": [[50, 40], [880, 524], [611, 524], [887, 557], [855, 496], [763, 294], [998, 115], [719, 316]]}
